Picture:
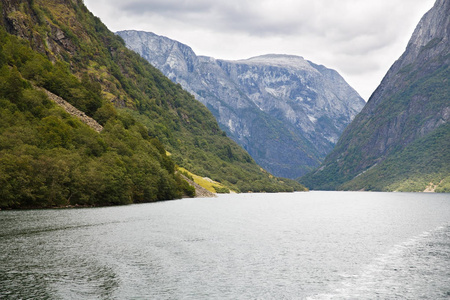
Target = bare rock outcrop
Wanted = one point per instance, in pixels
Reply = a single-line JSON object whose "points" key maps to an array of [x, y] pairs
{"points": [[69, 108]]}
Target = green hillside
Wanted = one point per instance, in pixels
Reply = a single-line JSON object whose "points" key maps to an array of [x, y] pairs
{"points": [[400, 140], [48, 158], [412, 161], [61, 47], [424, 163]]}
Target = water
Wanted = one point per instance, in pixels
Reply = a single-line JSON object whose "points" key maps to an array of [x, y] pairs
{"points": [[316, 245]]}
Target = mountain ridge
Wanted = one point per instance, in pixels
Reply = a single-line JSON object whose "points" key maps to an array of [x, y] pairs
{"points": [[270, 104], [410, 104]]}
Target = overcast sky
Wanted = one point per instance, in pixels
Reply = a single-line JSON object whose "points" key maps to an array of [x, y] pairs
{"points": [[360, 39]]}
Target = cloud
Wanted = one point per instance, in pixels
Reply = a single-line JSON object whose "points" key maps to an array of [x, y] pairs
{"points": [[170, 8], [357, 38]]}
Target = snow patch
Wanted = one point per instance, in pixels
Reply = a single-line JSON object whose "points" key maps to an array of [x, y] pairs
{"points": [[312, 119]]}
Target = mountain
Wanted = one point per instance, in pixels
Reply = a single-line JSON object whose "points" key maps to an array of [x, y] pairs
{"points": [[401, 139], [287, 112], [54, 53]]}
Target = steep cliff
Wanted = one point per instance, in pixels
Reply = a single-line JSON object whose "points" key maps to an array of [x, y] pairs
{"points": [[400, 139], [287, 112]]}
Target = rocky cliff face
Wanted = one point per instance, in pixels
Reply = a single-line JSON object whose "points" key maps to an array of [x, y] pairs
{"points": [[411, 102], [287, 112], [20, 22]]}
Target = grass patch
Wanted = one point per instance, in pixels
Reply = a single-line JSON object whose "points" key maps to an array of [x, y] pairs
{"points": [[206, 183]]}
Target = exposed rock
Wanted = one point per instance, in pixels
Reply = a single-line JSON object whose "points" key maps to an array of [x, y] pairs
{"points": [[69, 108], [411, 102], [287, 112], [416, 63], [431, 188], [21, 24], [58, 41]]}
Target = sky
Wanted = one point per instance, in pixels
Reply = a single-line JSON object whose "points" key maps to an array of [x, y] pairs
{"points": [[360, 39]]}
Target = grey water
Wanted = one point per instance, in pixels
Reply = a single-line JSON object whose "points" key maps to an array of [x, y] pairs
{"points": [[314, 245]]}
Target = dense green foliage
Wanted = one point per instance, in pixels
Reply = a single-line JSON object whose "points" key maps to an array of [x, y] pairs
{"points": [[217, 157], [425, 161], [49, 158]]}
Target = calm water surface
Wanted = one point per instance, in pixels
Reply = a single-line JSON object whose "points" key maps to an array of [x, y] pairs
{"points": [[316, 245]]}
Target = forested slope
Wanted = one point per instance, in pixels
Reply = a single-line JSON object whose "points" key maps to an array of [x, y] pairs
{"points": [[400, 140], [50, 158]]}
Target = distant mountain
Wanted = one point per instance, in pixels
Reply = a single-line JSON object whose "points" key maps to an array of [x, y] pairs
{"points": [[287, 112], [401, 139]]}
